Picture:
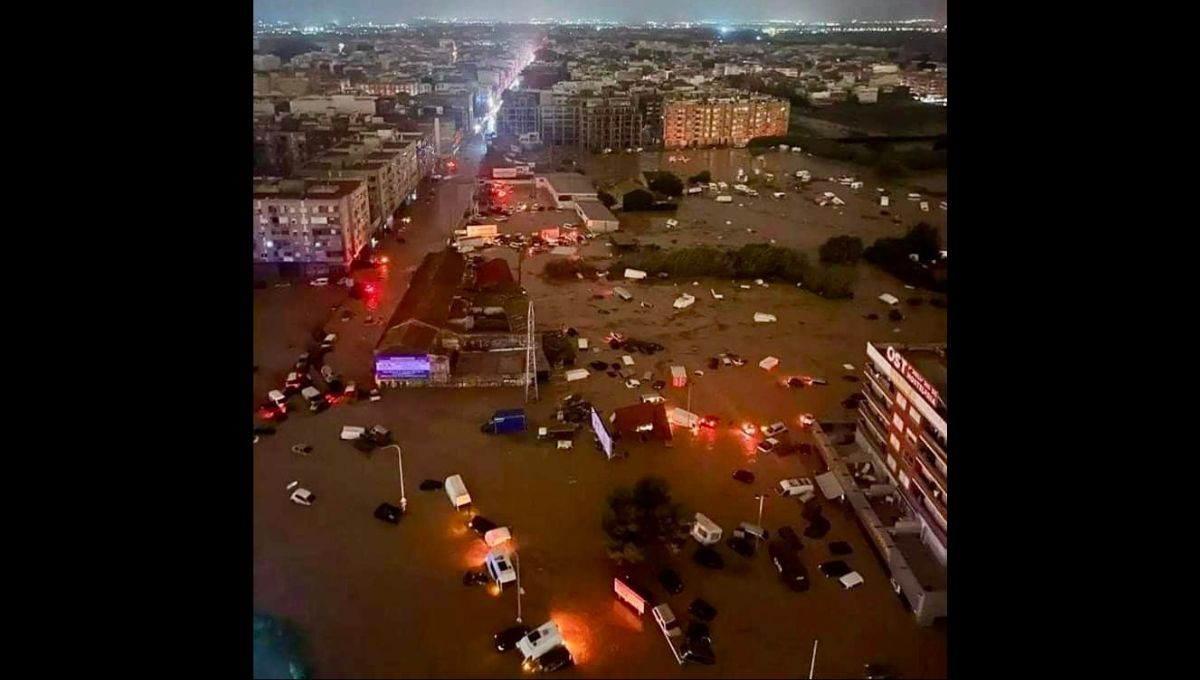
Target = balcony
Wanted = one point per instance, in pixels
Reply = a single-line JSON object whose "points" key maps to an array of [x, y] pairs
{"points": [[933, 445], [931, 467]]}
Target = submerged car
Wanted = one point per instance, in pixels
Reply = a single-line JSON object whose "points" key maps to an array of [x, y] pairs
{"points": [[670, 580], [834, 568], [388, 513], [707, 557], [507, 638]]}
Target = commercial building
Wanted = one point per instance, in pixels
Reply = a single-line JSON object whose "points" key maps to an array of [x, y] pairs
{"points": [[309, 228], [726, 119], [904, 422]]}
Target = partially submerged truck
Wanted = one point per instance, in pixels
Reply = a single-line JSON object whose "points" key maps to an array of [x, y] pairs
{"points": [[505, 421]]}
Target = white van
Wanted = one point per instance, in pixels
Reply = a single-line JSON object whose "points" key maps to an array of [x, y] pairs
{"points": [[500, 567], [278, 399], [540, 640], [706, 531], [653, 399], [456, 490]]}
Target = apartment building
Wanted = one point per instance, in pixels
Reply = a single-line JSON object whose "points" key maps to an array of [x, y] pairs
{"points": [[609, 122], [390, 171], [724, 119], [309, 227]]}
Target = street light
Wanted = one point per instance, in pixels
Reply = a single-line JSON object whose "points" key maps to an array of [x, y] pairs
{"points": [[761, 497], [517, 564], [400, 464]]}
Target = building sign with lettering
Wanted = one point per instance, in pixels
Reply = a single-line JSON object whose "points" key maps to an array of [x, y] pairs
{"points": [[910, 374], [403, 367]]}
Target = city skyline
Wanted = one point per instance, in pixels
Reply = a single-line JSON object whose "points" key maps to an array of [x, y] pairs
{"points": [[345, 11]]}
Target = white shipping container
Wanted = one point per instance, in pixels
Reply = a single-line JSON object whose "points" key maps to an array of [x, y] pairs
{"points": [[884, 201], [635, 274], [577, 374], [768, 363], [725, 199]]}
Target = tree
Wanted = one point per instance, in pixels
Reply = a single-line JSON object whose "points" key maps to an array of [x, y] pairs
{"points": [[638, 199], [635, 519], [666, 183], [702, 177], [841, 250]]}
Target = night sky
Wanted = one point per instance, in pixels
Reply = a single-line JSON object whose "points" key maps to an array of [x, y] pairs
{"points": [[392, 11]]}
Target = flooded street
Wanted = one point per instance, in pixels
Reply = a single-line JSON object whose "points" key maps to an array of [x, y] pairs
{"points": [[382, 601]]}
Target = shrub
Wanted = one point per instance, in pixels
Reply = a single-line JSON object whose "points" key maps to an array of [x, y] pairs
{"points": [[841, 250], [754, 261], [567, 268], [702, 177], [665, 183], [638, 199]]}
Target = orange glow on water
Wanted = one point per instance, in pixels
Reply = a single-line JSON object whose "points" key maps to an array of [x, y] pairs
{"points": [[576, 633]]}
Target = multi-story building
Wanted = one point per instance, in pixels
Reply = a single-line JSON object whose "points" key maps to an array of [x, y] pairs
{"points": [[389, 169], [928, 86], [334, 103], [902, 421], [650, 106], [612, 122], [577, 120], [309, 227], [725, 119], [391, 88]]}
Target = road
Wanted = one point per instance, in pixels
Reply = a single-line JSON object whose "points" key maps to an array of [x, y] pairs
{"points": [[284, 317]]}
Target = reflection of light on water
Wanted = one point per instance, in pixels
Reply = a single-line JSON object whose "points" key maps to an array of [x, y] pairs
{"points": [[627, 617], [475, 555], [576, 633]]}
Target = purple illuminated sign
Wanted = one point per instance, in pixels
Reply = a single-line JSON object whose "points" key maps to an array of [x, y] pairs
{"points": [[402, 367]]}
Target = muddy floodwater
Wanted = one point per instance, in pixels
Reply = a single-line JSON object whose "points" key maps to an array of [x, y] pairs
{"points": [[377, 600]]}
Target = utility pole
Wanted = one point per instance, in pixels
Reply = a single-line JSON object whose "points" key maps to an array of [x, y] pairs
{"points": [[813, 666], [517, 564]]}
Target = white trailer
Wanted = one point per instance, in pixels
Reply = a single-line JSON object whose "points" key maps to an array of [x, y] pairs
{"points": [[682, 418]]}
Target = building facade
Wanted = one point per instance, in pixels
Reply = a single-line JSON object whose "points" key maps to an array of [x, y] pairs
{"points": [[309, 228], [731, 119], [902, 420]]}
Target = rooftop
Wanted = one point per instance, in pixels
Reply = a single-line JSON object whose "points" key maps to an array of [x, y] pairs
{"points": [[927, 360], [595, 210], [297, 189], [569, 183]]}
